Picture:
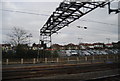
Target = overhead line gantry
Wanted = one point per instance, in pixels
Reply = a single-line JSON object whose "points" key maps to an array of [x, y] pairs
{"points": [[66, 13]]}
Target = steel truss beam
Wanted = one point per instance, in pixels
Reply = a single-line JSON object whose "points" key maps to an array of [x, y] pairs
{"points": [[113, 10], [66, 13]]}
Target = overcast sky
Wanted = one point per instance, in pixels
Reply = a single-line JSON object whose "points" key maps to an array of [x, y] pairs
{"points": [[100, 24]]}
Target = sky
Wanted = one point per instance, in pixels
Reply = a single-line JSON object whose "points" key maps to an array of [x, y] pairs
{"points": [[100, 25]]}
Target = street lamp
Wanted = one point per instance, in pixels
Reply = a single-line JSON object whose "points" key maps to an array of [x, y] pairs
{"points": [[108, 39], [80, 41], [81, 38]]}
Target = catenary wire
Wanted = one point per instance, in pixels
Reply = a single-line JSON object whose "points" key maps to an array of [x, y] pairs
{"points": [[24, 12]]}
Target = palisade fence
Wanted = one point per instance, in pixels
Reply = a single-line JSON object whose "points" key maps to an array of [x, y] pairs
{"points": [[79, 59]]}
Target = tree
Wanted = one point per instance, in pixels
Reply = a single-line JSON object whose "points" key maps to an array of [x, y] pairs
{"points": [[18, 36]]}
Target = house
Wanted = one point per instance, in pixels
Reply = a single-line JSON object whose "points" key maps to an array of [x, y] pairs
{"points": [[71, 47], [86, 46], [83, 46], [62, 47], [36, 46], [90, 46], [98, 45], [109, 45], [56, 46]]}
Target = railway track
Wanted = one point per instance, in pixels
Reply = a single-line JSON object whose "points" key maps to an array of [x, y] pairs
{"points": [[44, 71], [109, 78]]}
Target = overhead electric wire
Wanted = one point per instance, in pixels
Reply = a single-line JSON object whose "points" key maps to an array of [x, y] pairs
{"points": [[8, 29], [98, 22], [24, 12]]}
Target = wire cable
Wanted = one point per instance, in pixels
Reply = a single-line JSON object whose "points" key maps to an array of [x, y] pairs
{"points": [[98, 22], [24, 12]]}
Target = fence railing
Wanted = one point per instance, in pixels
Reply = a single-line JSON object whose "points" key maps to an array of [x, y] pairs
{"points": [[80, 59]]}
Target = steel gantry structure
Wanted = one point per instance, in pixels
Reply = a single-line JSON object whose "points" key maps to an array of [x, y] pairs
{"points": [[66, 13]]}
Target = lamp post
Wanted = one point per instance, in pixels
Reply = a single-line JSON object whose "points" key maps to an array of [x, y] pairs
{"points": [[80, 41], [108, 39]]}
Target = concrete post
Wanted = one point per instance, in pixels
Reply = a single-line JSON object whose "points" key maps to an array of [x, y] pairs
{"points": [[37, 60], [45, 60], [57, 59], [7, 61], [93, 58], [77, 59], [86, 59], [22, 61], [34, 60]]}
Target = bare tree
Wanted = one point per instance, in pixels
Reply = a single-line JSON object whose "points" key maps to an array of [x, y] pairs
{"points": [[18, 36]]}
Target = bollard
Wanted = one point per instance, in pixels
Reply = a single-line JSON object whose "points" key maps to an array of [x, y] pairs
{"points": [[34, 61], [86, 59], [45, 60], [22, 61], [7, 61], [57, 59]]}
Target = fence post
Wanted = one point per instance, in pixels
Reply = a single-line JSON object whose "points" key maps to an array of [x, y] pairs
{"points": [[7, 61], [68, 59], [86, 59], [37, 60], [34, 60], [57, 59], [93, 58], [107, 58], [77, 59], [22, 61], [45, 60]]}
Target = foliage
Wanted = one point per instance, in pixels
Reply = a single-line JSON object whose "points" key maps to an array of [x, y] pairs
{"points": [[23, 52]]}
